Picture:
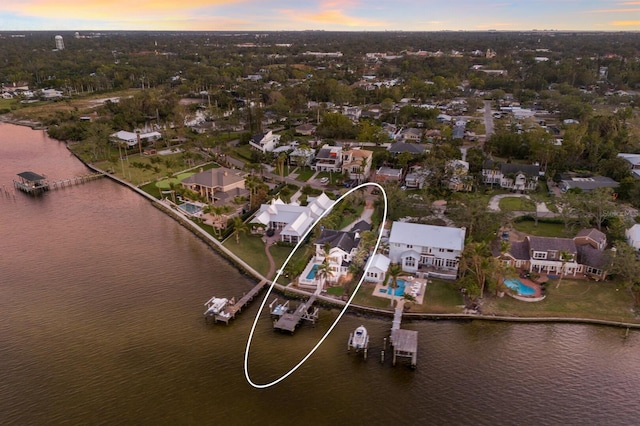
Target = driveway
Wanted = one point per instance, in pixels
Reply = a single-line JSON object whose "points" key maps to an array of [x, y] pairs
{"points": [[541, 208]]}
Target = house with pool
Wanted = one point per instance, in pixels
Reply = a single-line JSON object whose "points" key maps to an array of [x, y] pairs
{"points": [[218, 186], [427, 250], [342, 247], [582, 256]]}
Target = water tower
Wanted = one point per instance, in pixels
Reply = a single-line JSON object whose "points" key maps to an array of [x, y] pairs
{"points": [[59, 42]]}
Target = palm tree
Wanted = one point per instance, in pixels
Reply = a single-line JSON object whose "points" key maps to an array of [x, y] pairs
{"points": [[282, 158], [565, 256], [394, 272], [239, 227], [324, 271]]}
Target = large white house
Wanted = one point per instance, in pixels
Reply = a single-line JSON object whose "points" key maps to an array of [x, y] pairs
{"points": [[342, 246], [291, 220], [426, 249], [131, 138], [264, 142]]}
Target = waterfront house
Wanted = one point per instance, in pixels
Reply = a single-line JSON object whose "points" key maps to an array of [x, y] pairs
{"points": [[583, 255], [290, 221], [217, 186], [426, 249], [342, 246]]}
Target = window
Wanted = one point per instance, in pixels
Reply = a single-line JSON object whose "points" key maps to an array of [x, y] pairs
{"points": [[440, 250], [451, 263], [409, 246], [410, 262], [539, 255], [425, 250]]}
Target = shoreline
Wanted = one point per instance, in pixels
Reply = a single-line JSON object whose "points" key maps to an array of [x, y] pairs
{"points": [[330, 302], [9, 119]]}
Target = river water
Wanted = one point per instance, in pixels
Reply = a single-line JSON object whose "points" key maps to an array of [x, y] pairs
{"points": [[101, 297]]}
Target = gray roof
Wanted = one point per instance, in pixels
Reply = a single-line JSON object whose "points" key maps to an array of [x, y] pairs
{"points": [[520, 250], [552, 244], [257, 137], [346, 241], [31, 176], [214, 178], [590, 256], [412, 148], [361, 226], [527, 169], [589, 183], [597, 236]]}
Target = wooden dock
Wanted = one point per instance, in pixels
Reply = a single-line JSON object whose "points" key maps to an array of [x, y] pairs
{"points": [[288, 321], [34, 184], [404, 342], [232, 309]]}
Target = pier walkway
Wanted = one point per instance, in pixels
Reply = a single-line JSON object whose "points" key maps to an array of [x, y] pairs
{"points": [[404, 342], [290, 320], [231, 309]]}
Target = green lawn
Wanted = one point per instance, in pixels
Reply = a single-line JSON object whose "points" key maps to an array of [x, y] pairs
{"points": [[510, 204], [573, 299], [305, 174], [251, 250], [542, 230]]}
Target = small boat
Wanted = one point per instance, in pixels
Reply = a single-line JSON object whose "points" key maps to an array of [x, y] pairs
{"points": [[215, 305], [359, 340]]}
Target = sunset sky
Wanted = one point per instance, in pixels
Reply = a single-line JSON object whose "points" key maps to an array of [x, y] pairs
{"points": [[350, 15]]}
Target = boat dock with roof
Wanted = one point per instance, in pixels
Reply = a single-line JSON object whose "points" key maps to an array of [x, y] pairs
{"points": [[404, 342], [34, 184]]}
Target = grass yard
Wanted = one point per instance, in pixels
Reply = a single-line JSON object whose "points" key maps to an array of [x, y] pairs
{"points": [[573, 299], [543, 229], [251, 250], [510, 204], [305, 174]]}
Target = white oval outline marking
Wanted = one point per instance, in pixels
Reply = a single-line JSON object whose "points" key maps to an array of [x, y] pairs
{"points": [[264, 301]]}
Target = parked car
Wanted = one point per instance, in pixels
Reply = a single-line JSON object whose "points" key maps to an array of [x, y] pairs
{"points": [[324, 180]]}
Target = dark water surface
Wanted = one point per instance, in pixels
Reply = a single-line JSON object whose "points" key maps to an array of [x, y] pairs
{"points": [[101, 302]]}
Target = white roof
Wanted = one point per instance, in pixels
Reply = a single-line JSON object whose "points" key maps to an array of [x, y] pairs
{"points": [[634, 232], [427, 235], [299, 226], [380, 262]]}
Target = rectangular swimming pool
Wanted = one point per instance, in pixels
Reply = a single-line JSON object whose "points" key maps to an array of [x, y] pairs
{"points": [[312, 273], [398, 291], [190, 208]]}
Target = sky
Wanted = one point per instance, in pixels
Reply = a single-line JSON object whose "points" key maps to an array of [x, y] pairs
{"points": [[328, 15]]}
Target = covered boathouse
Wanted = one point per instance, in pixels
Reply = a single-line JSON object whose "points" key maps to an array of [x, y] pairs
{"points": [[31, 183]]}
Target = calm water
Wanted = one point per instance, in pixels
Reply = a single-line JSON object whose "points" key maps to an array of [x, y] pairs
{"points": [[101, 297]]}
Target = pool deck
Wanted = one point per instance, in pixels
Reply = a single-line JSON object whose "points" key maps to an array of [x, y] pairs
{"points": [[419, 283], [537, 296]]}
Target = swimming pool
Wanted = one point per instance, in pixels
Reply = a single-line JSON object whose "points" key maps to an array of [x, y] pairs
{"points": [[312, 273], [398, 291], [519, 286], [190, 208]]}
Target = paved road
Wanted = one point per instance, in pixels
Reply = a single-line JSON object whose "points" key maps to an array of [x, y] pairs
{"points": [[488, 119]]}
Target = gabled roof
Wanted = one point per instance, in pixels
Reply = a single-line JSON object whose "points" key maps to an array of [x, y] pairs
{"points": [[361, 226], [345, 241], [427, 235], [299, 226], [551, 244], [527, 169], [519, 250], [214, 178], [380, 262], [598, 236], [591, 256]]}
